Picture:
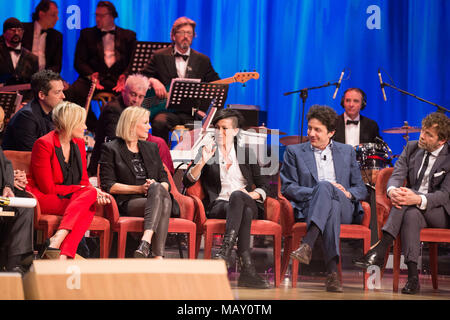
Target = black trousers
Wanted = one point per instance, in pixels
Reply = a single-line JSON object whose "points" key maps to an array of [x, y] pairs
{"points": [[239, 212], [16, 236], [164, 122], [155, 209]]}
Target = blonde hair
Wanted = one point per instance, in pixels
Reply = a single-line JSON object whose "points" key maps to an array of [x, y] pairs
{"points": [[67, 115], [126, 126]]}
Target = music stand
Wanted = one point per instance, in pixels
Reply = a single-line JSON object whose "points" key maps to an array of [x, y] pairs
{"points": [[188, 96], [142, 53], [9, 102]]}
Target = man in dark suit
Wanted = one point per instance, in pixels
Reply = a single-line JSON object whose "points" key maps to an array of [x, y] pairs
{"points": [[423, 202], [102, 52], [40, 38], [177, 61], [17, 64], [35, 119], [16, 233], [352, 127], [322, 180]]}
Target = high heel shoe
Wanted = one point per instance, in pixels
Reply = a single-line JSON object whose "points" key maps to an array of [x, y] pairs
{"points": [[49, 252]]}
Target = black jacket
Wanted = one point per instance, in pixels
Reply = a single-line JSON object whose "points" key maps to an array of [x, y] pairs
{"points": [[26, 126], [53, 46], [162, 67], [367, 133]]}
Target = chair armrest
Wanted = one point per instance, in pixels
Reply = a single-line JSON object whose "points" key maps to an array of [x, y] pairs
{"points": [[367, 214]]}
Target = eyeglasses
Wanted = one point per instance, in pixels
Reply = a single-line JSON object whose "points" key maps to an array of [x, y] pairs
{"points": [[183, 33]]}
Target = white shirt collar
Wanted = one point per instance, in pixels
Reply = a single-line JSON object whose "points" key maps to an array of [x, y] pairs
{"points": [[346, 117]]}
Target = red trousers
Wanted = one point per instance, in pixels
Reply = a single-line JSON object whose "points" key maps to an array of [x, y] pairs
{"points": [[77, 212]]}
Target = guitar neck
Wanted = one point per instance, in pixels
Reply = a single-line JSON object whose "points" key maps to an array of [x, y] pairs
{"points": [[225, 81]]}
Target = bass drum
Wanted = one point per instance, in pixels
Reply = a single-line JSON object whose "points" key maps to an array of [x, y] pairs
{"points": [[373, 156]]}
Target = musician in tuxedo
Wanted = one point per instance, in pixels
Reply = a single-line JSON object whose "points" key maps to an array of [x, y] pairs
{"points": [[352, 127], [322, 180], [35, 119], [42, 39], [133, 94], [17, 64], [102, 52], [16, 233], [424, 202], [235, 190], [177, 61]]}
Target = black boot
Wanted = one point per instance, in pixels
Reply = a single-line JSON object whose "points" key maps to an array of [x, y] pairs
{"points": [[228, 242], [249, 277], [144, 250]]}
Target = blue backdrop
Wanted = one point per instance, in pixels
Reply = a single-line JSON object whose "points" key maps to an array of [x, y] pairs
{"points": [[297, 44]]}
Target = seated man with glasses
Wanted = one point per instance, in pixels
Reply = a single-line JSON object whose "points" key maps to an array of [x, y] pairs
{"points": [[177, 61]]}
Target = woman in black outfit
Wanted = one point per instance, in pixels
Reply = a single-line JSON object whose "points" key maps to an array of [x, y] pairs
{"points": [[132, 171]]}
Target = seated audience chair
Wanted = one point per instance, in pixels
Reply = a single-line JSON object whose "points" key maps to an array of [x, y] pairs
{"points": [[123, 224], [208, 227], [431, 235]]}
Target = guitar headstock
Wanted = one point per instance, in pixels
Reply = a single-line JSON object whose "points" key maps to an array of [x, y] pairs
{"points": [[243, 77]]}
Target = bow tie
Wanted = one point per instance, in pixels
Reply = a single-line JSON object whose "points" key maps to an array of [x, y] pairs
{"points": [[44, 31], [355, 122], [106, 32], [18, 51], [184, 56]]}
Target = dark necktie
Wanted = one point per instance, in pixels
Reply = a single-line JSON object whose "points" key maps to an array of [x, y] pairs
{"points": [[44, 31], [355, 122], [422, 171], [106, 32], [184, 56], [18, 51]]}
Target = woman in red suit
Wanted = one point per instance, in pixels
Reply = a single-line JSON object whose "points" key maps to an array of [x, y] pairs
{"points": [[60, 182]]}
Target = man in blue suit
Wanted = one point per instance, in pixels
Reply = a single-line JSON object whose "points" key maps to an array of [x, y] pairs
{"points": [[322, 180]]}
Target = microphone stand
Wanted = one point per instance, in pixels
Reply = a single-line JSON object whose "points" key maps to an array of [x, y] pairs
{"points": [[440, 108], [304, 96]]}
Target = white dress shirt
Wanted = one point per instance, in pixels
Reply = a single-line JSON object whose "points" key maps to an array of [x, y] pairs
{"points": [[352, 131], [39, 42], [180, 64], [15, 57], [231, 179], [325, 164], [108, 48]]}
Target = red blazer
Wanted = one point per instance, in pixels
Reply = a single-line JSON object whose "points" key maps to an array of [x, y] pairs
{"points": [[46, 174]]}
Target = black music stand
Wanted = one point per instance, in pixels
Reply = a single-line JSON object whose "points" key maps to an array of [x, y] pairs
{"points": [[187, 96], [142, 53], [9, 102]]}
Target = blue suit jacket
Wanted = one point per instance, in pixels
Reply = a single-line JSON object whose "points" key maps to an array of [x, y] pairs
{"points": [[299, 176]]}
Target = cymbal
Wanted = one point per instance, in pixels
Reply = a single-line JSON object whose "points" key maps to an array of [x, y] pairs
{"points": [[404, 130], [262, 129], [286, 141]]}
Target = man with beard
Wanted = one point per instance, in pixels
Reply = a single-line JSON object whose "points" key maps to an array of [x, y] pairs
{"points": [[17, 64], [177, 61], [424, 202]]}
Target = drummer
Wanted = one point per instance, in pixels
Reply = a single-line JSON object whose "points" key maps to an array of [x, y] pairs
{"points": [[351, 127]]}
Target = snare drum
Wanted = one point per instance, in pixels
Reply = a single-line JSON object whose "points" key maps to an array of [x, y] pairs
{"points": [[373, 156]]}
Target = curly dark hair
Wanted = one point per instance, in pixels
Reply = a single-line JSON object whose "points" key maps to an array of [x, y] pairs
{"points": [[439, 121], [326, 115], [40, 81]]}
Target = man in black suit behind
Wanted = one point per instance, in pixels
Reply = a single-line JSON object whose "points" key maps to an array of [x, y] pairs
{"points": [[41, 39], [351, 127], [17, 64], [177, 61], [102, 52]]}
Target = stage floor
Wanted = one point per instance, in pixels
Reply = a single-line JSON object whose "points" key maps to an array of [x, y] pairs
{"points": [[313, 288]]}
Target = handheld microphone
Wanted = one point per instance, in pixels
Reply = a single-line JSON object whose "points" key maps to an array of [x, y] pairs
{"points": [[338, 84], [18, 202], [382, 85]]}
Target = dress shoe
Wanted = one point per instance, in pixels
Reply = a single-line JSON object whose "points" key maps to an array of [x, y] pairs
{"points": [[143, 251], [332, 283], [303, 253], [412, 286], [372, 257], [51, 254]]}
